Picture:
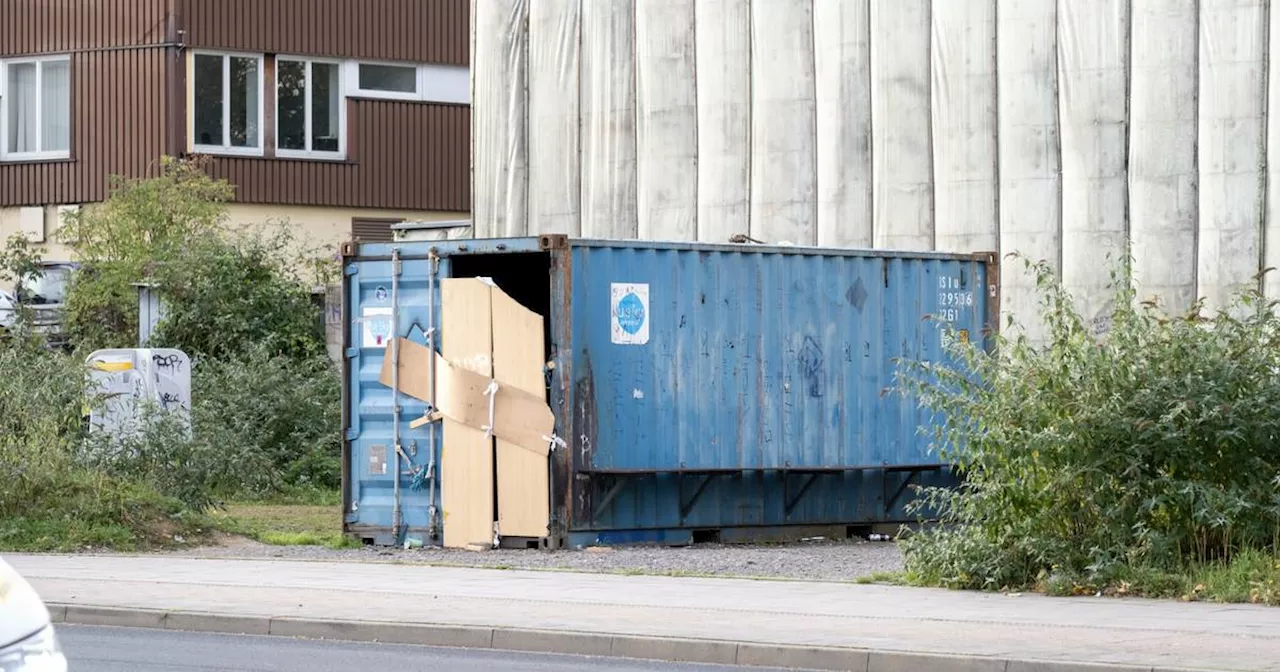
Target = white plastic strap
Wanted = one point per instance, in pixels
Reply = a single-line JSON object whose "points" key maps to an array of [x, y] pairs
{"points": [[492, 393], [555, 441]]}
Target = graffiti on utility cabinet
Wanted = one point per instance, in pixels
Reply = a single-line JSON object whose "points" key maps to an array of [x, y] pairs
{"points": [[126, 384]]}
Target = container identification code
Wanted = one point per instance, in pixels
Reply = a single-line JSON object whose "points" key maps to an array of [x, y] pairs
{"points": [[629, 313], [953, 298]]}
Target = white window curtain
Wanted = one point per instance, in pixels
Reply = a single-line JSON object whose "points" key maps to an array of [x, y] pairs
{"points": [[22, 111], [37, 108], [55, 89]]}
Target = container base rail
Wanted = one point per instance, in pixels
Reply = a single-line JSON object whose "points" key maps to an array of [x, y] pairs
{"points": [[604, 486]]}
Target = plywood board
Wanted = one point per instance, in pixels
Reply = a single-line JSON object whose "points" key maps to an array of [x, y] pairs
{"points": [[520, 416], [415, 371], [518, 355], [466, 462], [517, 416]]}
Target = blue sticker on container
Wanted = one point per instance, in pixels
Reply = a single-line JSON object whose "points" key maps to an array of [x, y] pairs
{"points": [[629, 311]]}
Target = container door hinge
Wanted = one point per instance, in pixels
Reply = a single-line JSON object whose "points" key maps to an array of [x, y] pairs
{"points": [[351, 353], [352, 433], [351, 270]]}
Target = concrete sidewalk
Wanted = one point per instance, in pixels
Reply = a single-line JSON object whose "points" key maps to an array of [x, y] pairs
{"points": [[785, 624]]}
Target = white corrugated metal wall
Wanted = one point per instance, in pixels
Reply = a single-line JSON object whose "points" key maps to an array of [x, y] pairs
{"points": [[1062, 129]]}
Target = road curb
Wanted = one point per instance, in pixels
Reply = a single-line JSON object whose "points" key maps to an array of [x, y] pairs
{"points": [[681, 650]]}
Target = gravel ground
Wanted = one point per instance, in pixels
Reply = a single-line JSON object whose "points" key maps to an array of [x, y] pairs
{"points": [[814, 560]]}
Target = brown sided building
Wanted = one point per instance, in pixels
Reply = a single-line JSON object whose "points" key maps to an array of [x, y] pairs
{"points": [[340, 115]]}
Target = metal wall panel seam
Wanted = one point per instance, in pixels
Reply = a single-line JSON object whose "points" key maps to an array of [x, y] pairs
{"points": [[817, 175], [1057, 103], [1128, 134], [871, 123], [995, 164], [1264, 153], [1195, 236], [1272, 240], [749, 221]]}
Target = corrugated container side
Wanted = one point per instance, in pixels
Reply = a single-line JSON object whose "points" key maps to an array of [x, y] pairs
{"points": [[763, 397], [762, 360]]}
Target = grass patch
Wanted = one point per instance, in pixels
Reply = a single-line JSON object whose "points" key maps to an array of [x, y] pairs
{"points": [[286, 524], [883, 578], [1251, 576], [81, 510]]}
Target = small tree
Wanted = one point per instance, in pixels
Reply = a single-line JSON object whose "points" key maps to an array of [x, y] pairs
{"points": [[143, 224], [20, 263]]}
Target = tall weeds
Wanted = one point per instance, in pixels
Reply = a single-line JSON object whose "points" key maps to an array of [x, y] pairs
{"points": [[1085, 457]]}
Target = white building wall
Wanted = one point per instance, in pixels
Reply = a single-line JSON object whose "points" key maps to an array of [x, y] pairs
{"points": [[1066, 130]]}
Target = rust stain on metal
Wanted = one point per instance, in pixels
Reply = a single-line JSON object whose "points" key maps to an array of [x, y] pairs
{"points": [[561, 264]]}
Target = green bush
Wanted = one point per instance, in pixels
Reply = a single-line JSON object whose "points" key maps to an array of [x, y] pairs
{"points": [[261, 426], [281, 415], [1086, 460], [226, 296]]}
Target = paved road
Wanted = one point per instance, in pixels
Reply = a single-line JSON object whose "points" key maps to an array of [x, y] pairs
{"points": [[92, 649]]}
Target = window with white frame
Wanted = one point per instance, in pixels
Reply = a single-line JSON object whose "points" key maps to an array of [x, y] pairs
{"points": [[407, 81], [35, 108], [310, 108], [387, 80], [227, 103]]}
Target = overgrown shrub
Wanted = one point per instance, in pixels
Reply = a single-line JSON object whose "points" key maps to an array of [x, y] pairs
{"points": [[265, 398], [1086, 460], [281, 415], [50, 499], [266, 410], [228, 295]]}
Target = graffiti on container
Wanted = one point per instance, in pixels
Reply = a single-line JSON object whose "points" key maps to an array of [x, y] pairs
{"points": [[813, 367], [168, 400], [171, 363]]}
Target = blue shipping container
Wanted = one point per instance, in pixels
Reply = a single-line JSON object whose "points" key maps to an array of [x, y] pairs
{"points": [[719, 392]]}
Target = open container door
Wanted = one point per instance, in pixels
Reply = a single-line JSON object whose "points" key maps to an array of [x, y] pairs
{"points": [[390, 462], [482, 306]]}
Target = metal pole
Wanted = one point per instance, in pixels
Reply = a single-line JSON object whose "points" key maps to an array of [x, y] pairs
{"points": [[396, 514], [432, 330]]}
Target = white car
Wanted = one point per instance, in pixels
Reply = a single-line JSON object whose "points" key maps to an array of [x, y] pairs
{"points": [[27, 640]]}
